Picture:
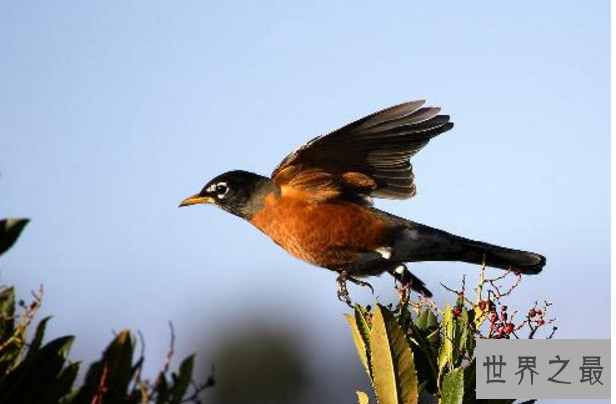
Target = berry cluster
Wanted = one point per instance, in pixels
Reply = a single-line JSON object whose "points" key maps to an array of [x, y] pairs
{"points": [[500, 326], [456, 310], [536, 315]]}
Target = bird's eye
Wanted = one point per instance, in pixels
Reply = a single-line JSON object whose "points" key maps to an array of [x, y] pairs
{"points": [[221, 189]]}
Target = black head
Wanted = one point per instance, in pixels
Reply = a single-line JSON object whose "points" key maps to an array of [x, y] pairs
{"points": [[238, 192]]}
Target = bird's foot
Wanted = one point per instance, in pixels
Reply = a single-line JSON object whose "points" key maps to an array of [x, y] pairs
{"points": [[403, 277], [403, 287], [408, 281], [343, 293], [360, 283]]}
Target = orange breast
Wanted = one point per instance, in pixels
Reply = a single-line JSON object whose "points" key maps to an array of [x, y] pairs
{"points": [[327, 234]]}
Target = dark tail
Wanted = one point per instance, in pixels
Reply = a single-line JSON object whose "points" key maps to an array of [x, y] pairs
{"points": [[475, 252], [417, 242]]}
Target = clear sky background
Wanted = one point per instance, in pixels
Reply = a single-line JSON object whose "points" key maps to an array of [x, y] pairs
{"points": [[111, 112]]}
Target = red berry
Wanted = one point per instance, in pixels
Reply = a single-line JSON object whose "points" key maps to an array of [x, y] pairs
{"points": [[482, 305], [457, 310], [503, 316], [532, 313], [493, 318], [538, 312], [540, 322], [509, 328]]}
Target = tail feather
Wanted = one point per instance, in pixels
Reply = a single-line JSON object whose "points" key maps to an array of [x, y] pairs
{"points": [[422, 243], [524, 262]]}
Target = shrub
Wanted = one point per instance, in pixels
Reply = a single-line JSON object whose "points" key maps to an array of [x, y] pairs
{"points": [[39, 373], [420, 353]]}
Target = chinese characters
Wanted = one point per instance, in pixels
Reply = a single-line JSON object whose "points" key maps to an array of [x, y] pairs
{"points": [[591, 369]]}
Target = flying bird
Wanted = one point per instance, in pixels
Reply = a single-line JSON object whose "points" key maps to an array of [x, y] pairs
{"points": [[318, 203]]}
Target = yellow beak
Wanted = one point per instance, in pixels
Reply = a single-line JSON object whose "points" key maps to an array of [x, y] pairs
{"points": [[196, 200]]}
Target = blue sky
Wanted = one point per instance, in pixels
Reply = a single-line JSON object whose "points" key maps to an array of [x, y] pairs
{"points": [[111, 112]]}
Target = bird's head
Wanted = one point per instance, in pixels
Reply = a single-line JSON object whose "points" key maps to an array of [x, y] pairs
{"points": [[238, 192]]}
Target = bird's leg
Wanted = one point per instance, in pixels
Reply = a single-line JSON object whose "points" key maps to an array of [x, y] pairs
{"points": [[343, 293], [402, 275], [408, 281]]}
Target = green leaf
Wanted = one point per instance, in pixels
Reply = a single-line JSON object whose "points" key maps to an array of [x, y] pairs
{"points": [[393, 369], [426, 341], [7, 313], [420, 321], [118, 358], [470, 335], [452, 391], [71, 397], [362, 398], [10, 229], [464, 331], [361, 337], [37, 340], [183, 380], [426, 320], [447, 327], [460, 337], [162, 389], [383, 371], [470, 382], [117, 362], [404, 317], [62, 386], [362, 325], [40, 370]]}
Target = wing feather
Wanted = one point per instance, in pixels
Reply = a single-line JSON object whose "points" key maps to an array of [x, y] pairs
{"points": [[368, 157]]}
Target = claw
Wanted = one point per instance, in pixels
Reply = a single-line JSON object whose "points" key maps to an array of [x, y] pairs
{"points": [[343, 293], [360, 283]]}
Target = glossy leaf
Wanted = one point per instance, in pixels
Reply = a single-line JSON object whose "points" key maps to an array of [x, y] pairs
{"points": [[118, 358], [40, 370], [183, 380], [37, 340], [470, 382], [359, 338], [447, 327], [393, 368], [362, 398], [469, 340], [452, 391], [62, 386], [162, 389], [10, 229], [7, 313], [115, 365], [426, 320]]}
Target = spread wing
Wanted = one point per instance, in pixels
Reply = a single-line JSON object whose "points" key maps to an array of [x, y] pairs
{"points": [[368, 157]]}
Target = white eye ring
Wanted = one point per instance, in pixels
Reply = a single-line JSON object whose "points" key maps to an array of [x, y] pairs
{"points": [[221, 189]]}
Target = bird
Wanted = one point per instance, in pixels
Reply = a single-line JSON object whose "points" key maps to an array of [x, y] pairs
{"points": [[318, 203]]}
